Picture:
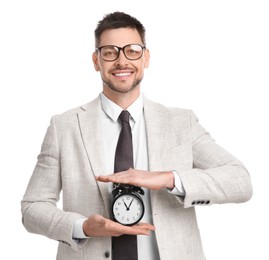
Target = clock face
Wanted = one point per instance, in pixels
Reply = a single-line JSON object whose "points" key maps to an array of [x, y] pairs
{"points": [[128, 209]]}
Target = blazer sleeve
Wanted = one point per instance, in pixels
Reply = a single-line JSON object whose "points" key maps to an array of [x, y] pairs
{"points": [[217, 176], [40, 214]]}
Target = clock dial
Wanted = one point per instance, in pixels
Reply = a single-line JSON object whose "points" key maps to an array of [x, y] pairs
{"points": [[128, 209]]}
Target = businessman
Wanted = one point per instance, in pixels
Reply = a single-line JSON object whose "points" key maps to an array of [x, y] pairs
{"points": [[121, 144]]}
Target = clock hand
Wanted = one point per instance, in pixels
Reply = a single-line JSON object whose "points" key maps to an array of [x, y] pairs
{"points": [[130, 204], [127, 208]]}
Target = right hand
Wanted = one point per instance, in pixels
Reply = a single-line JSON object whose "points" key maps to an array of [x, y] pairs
{"points": [[99, 226]]}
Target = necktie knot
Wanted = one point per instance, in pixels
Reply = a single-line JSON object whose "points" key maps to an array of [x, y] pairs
{"points": [[124, 116]]}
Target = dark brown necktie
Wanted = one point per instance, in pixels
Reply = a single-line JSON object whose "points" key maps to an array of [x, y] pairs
{"points": [[124, 247]]}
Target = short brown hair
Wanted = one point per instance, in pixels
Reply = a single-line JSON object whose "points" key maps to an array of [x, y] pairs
{"points": [[118, 20]]}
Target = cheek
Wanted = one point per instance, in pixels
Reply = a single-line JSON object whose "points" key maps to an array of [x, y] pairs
{"points": [[143, 64], [104, 68]]}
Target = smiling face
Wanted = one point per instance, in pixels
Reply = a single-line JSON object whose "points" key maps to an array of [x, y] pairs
{"points": [[122, 75]]}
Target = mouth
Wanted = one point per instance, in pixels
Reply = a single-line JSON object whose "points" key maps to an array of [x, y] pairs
{"points": [[122, 74]]}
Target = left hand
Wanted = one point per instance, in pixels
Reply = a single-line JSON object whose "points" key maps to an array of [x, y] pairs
{"points": [[99, 226], [146, 179]]}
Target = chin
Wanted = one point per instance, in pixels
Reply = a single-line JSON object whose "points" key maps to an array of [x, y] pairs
{"points": [[123, 89]]}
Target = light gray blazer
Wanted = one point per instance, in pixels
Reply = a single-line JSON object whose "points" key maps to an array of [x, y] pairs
{"points": [[72, 155]]}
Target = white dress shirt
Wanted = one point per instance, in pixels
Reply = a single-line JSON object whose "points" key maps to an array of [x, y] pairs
{"points": [[111, 127]]}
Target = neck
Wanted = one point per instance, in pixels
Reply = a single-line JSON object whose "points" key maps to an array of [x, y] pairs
{"points": [[124, 100]]}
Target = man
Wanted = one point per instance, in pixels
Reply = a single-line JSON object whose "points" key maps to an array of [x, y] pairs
{"points": [[175, 161]]}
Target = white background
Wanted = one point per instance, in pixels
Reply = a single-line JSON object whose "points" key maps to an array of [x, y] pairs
{"points": [[210, 56]]}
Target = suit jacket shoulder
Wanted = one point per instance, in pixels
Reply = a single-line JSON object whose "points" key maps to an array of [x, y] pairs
{"points": [[72, 114]]}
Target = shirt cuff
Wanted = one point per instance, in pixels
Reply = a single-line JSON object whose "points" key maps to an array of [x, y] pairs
{"points": [[178, 189], [78, 230]]}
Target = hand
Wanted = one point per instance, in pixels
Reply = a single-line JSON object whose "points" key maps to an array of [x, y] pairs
{"points": [[98, 226], [146, 179], [127, 208], [130, 204]]}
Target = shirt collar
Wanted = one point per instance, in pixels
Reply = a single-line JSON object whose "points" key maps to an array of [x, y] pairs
{"points": [[113, 110]]}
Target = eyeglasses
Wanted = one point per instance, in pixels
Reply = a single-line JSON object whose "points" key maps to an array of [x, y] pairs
{"points": [[112, 52]]}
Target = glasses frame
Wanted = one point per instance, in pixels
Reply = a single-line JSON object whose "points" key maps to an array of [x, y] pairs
{"points": [[120, 49]]}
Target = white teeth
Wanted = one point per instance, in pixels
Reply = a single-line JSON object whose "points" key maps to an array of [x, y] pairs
{"points": [[122, 74]]}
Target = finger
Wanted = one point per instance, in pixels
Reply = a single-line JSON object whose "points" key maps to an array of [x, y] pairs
{"points": [[104, 178], [113, 178], [141, 229], [145, 226]]}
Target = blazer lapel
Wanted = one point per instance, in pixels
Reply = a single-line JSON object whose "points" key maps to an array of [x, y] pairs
{"points": [[157, 131], [91, 131], [156, 128]]}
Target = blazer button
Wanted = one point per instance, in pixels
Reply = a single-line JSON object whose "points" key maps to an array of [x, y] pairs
{"points": [[107, 254]]}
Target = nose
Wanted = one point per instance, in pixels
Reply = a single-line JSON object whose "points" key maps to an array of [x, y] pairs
{"points": [[121, 60]]}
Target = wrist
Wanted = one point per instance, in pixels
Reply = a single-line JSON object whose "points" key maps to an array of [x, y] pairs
{"points": [[170, 180]]}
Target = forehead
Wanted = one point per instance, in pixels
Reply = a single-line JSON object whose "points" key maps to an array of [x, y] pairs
{"points": [[120, 37]]}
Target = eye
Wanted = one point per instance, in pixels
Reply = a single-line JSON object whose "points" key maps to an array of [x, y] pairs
{"points": [[130, 51], [133, 51], [109, 51]]}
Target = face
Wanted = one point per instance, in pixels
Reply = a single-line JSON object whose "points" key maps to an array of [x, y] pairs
{"points": [[121, 75]]}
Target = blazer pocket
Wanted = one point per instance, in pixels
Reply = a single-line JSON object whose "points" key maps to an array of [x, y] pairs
{"points": [[178, 158]]}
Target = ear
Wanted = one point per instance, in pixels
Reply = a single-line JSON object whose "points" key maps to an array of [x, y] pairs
{"points": [[147, 58], [95, 61]]}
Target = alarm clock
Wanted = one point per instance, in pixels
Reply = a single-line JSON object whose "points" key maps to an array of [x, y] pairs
{"points": [[127, 206]]}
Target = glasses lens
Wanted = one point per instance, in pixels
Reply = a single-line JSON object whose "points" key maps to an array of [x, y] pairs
{"points": [[109, 53], [133, 51]]}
